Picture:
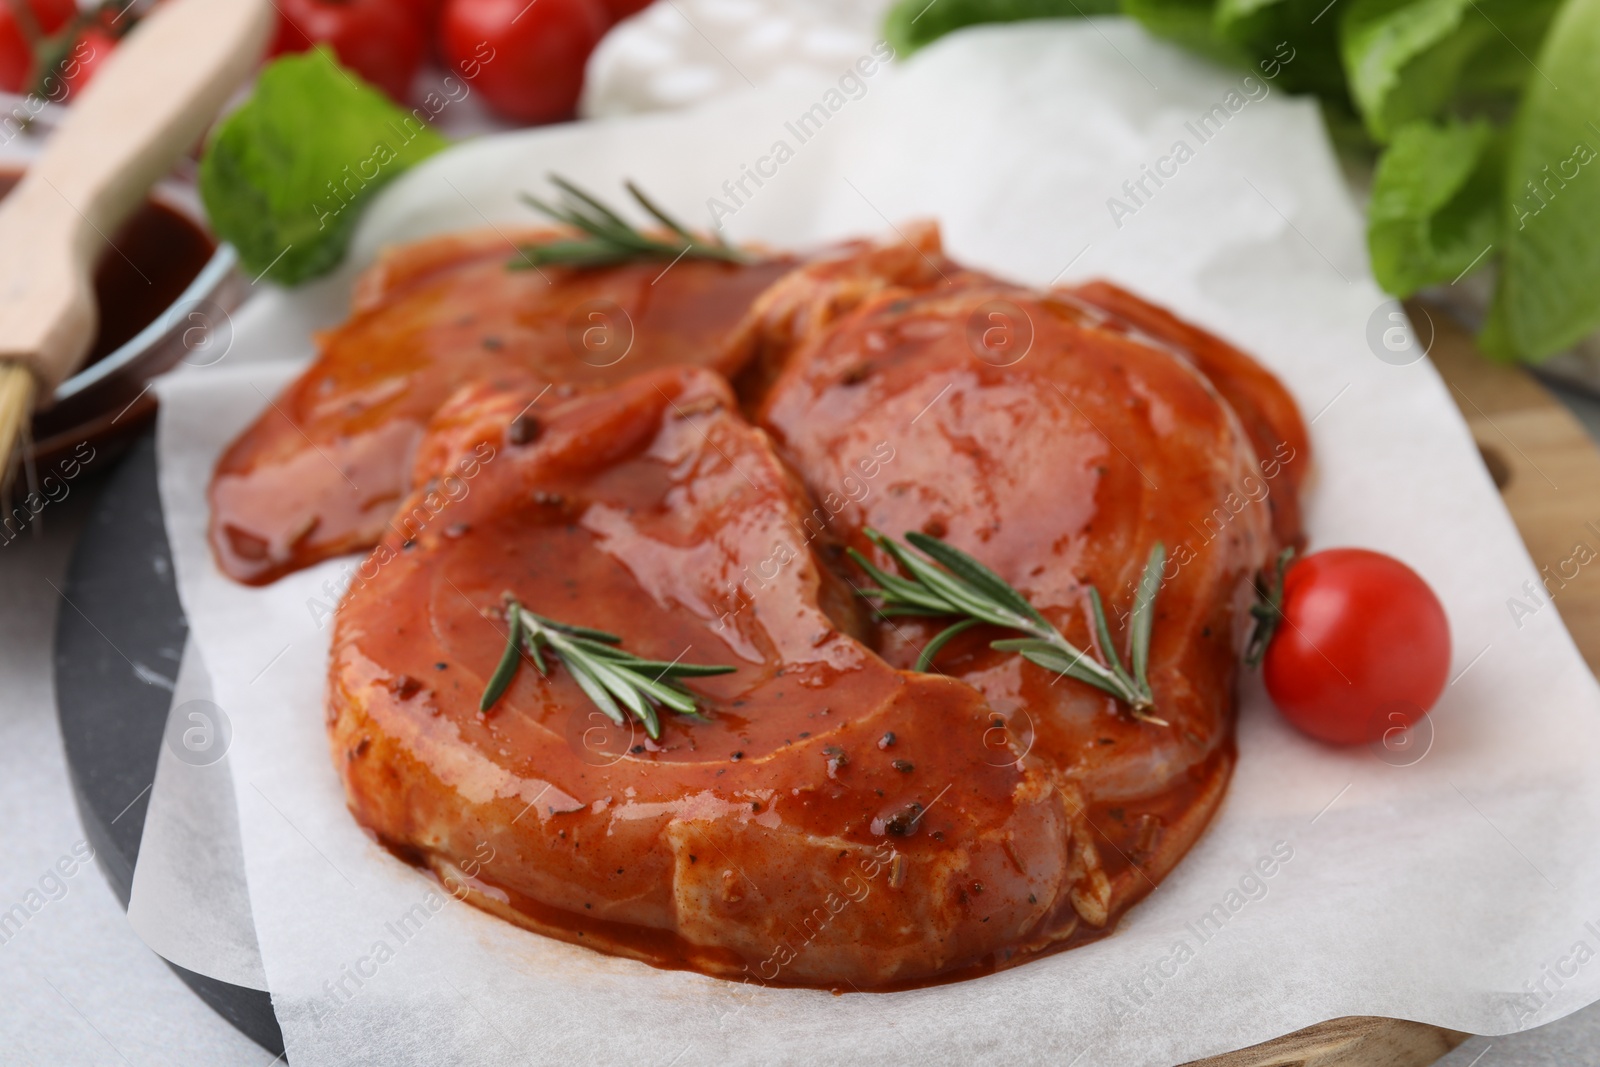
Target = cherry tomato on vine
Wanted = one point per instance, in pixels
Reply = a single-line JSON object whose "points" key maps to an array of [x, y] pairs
{"points": [[18, 64], [1362, 648], [527, 60], [381, 40]]}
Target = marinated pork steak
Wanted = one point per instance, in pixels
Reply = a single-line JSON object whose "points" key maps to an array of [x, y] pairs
{"points": [[832, 820], [321, 470], [1057, 446]]}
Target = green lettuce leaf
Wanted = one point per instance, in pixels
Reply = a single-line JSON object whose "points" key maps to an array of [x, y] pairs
{"points": [[1417, 59], [1505, 63], [911, 24], [1232, 12], [1191, 23], [1435, 204], [1549, 291], [1404, 57], [1307, 27], [285, 178]]}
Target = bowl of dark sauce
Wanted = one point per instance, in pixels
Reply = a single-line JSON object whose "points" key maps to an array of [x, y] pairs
{"points": [[164, 290]]}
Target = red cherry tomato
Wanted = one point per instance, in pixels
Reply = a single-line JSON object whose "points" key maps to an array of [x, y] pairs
{"points": [[426, 12], [1363, 646], [87, 55], [621, 9], [527, 60], [17, 67], [381, 40]]}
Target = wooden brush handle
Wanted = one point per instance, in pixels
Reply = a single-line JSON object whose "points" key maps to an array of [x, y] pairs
{"points": [[149, 102]]}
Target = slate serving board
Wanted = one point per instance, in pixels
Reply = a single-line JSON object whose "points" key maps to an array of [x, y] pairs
{"points": [[121, 578]]}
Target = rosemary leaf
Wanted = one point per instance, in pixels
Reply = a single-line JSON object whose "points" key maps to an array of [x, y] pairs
{"points": [[608, 238], [903, 594], [597, 208], [578, 254], [975, 573], [669, 695], [898, 611], [1080, 667], [925, 660], [1066, 658], [961, 598], [1102, 635], [660, 216], [1143, 614], [614, 679], [679, 670], [576, 631], [595, 690], [618, 684], [602, 649], [507, 669], [652, 723]]}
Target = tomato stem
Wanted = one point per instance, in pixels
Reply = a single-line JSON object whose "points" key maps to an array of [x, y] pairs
{"points": [[1268, 609]]}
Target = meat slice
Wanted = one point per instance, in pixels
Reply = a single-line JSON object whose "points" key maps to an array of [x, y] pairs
{"points": [[800, 306], [320, 471], [1059, 458], [832, 821], [1267, 411]]}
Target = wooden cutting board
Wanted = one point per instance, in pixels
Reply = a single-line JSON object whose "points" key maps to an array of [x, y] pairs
{"points": [[1548, 471]]}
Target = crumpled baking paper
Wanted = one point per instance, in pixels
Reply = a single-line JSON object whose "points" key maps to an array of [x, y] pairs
{"points": [[1451, 877]]}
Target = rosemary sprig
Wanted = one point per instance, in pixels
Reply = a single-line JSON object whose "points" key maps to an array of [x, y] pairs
{"points": [[959, 585], [1268, 609], [612, 678], [609, 238]]}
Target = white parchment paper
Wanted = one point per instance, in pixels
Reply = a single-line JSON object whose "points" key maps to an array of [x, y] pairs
{"points": [[189, 901], [1454, 881]]}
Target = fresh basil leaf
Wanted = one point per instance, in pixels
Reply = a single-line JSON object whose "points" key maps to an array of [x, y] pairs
{"points": [[1435, 204], [1550, 257], [286, 176], [911, 24]]}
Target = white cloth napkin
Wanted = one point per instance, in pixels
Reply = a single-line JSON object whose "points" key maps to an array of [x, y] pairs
{"points": [[684, 52]]}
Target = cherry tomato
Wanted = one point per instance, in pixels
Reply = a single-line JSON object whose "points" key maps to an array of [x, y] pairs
{"points": [[87, 55], [621, 9], [1363, 646], [527, 60], [381, 40], [17, 61], [426, 12]]}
